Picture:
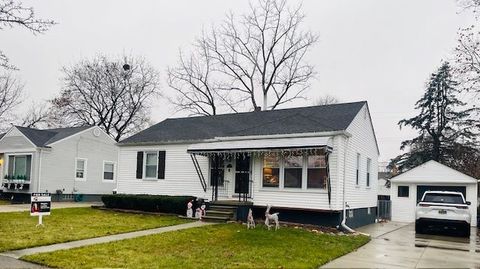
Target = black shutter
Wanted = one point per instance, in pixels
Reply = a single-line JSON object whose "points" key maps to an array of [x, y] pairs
{"points": [[140, 164], [161, 165]]}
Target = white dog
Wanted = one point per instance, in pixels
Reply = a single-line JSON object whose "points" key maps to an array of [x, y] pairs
{"points": [[271, 217], [250, 220]]}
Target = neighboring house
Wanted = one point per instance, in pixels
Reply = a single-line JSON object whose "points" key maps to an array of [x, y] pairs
{"points": [[294, 159], [78, 160], [409, 187]]}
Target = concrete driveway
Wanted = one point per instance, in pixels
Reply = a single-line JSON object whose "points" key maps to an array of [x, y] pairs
{"points": [[395, 245], [55, 205]]}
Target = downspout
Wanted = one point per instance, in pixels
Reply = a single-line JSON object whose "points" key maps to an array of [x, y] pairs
{"points": [[39, 169], [345, 205]]}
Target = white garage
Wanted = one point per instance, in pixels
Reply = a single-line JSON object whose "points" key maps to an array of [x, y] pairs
{"points": [[408, 188]]}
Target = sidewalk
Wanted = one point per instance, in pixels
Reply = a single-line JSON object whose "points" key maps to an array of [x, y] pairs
{"points": [[55, 205], [86, 242]]}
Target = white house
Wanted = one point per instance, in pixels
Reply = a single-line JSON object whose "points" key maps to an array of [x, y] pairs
{"points": [[408, 188], [307, 162], [79, 160]]}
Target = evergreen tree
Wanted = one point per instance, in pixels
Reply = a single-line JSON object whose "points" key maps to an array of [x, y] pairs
{"points": [[445, 127]]}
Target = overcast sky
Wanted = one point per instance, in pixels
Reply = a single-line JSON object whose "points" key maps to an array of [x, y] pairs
{"points": [[379, 51]]}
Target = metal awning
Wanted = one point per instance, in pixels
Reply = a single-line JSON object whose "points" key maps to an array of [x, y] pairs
{"points": [[262, 145]]}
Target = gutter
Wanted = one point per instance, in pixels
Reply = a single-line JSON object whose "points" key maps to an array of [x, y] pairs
{"points": [[230, 138]]}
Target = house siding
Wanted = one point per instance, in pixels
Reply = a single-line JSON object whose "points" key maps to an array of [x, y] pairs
{"points": [[362, 141], [180, 175], [58, 164], [297, 198]]}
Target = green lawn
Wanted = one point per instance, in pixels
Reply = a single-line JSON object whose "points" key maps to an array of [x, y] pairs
{"points": [[4, 202], [17, 229], [218, 246]]}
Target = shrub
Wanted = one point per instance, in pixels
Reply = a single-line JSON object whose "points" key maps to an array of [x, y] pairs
{"points": [[150, 203]]}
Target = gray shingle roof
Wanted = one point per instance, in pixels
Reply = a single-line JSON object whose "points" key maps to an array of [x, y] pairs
{"points": [[336, 117], [42, 138]]}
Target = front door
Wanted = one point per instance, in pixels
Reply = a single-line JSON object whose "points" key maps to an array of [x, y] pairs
{"points": [[242, 174]]}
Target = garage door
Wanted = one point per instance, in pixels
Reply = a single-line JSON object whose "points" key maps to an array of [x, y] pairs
{"points": [[421, 189]]}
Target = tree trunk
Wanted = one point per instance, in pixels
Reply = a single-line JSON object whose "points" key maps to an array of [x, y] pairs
{"points": [[265, 102]]}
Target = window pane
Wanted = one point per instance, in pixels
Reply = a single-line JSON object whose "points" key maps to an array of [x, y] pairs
{"points": [[271, 177], [108, 175], [293, 178], [151, 171], [11, 161], [20, 166], [271, 171], [403, 191], [293, 161], [80, 164], [317, 178], [316, 161], [109, 167], [152, 158]]}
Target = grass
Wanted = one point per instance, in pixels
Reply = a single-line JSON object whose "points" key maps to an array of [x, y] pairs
{"points": [[219, 246], [17, 229], [4, 202]]}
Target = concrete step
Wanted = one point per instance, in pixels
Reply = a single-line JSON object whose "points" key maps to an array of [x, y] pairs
{"points": [[220, 213], [209, 218], [222, 208]]}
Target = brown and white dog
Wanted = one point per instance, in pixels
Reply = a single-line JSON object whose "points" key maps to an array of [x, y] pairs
{"points": [[271, 217]]}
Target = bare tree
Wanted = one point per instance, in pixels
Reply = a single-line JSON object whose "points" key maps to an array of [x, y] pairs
{"points": [[264, 51], [261, 54], [111, 93], [11, 91], [326, 100], [38, 116], [12, 14], [194, 84]]}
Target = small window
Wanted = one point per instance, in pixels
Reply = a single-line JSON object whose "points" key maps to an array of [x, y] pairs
{"points": [[271, 170], [357, 177], [403, 191], [316, 172], [19, 167], [369, 161], [151, 165], [80, 169], [108, 170], [293, 171]]}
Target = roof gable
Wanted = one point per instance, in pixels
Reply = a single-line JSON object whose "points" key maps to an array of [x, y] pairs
{"points": [[42, 138], [336, 117], [433, 172]]}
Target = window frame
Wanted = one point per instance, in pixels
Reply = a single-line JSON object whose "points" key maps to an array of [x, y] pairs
{"points": [[304, 180], [114, 171], [85, 169], [367, 179], [145, 154], [316, 168], [302, 172], [398, 191], [6, 158]]}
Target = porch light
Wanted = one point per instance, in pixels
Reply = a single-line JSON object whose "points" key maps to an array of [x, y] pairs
{"points": [[1, 162]]}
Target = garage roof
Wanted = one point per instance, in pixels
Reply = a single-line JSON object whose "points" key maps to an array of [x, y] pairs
{"points": [[433, 172]]}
